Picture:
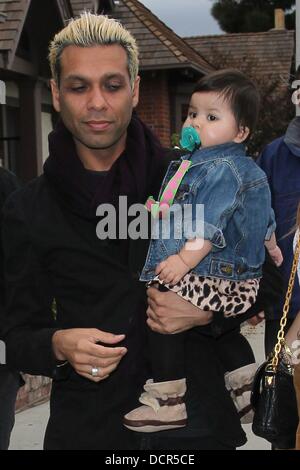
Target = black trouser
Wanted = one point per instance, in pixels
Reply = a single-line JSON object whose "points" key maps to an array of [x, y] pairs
{"points": [[234, 350], [167, 356], [167, 352], [9, 385]]}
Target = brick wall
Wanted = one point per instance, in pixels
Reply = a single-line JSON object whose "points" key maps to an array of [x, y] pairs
{"points": [[154, 104], [36, 390]]}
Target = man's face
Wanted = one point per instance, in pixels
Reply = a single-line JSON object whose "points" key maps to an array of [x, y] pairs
{"points": [[94, 97]]}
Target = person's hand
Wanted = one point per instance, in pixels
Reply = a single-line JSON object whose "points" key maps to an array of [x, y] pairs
{"points": [[172, 270], [276, 255], [78, 347], [253, 321], [168, 313]]}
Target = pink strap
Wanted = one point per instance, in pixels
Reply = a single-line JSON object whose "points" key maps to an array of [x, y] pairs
{"points": [[169, 193]]}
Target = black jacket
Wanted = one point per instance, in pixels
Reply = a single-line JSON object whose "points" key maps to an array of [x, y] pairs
{"points": [[8, 184], [51, 253]]}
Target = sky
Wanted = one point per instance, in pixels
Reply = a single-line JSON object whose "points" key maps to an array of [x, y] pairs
{"points": [[185, 17]]}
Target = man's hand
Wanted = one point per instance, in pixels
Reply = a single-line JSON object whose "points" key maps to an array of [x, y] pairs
{"points": [[78, 347], [253, 321], [172, 270], [168, 313]]}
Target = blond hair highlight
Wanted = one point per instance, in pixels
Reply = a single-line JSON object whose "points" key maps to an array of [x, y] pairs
{"points": [[93, 30]]}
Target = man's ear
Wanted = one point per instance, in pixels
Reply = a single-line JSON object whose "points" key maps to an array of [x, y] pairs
{"points": [[136, 92], [242, 135], [55, 95]]}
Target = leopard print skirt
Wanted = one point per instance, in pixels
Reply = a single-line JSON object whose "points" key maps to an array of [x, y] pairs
{"points": [[219, 295]]}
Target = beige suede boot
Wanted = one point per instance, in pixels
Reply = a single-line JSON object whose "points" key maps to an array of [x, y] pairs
{"points": [[297, 389], [163, 407], [239, 383]]}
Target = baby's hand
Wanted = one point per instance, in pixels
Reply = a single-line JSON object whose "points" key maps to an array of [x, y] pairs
{"points": [[276, 255], [172, 270]]}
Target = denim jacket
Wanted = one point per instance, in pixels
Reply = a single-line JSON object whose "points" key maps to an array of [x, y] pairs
{"points": [[237, 218]]}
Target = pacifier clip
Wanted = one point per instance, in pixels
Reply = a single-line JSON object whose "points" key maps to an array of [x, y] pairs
{"points": [[169, 193]]}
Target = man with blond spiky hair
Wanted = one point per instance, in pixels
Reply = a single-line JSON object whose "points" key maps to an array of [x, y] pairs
{"points": [[93, 345]]}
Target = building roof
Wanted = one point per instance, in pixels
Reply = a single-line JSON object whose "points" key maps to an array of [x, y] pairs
{"points": [[79, 6], [12, 18], [159, 46], [269, 53], [65, 9], [13, 12]]}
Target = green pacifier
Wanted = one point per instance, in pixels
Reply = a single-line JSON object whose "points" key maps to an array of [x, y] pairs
{"points": [[189, 139]]}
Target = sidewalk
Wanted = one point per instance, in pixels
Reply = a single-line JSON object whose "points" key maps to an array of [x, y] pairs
{"points": [[30, 424], [29, 429]]}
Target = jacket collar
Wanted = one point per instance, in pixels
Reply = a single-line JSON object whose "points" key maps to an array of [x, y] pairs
{"points": [[230, 149], [292, 136]]}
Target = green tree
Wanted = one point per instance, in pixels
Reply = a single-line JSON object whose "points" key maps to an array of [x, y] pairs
{"points": [[245, 16]]}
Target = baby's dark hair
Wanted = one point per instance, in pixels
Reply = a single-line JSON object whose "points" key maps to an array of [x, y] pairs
{"points": [[238, 90]]}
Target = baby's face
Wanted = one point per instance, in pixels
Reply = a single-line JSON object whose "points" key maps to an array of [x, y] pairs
{"points": [[213, 119]]}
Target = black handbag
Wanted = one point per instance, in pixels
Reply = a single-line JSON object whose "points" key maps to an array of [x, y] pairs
{"points": [[274, 402], [273, 396]]}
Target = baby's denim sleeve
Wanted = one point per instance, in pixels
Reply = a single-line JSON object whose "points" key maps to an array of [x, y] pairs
{"points": [[217, 193]]}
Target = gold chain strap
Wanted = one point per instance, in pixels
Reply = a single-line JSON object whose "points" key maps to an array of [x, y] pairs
{"points": [[283, 320]]}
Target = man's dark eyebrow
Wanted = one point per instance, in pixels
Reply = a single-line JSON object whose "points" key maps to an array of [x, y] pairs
{"points": [[78, 78], [114, 75], [81, 78]]}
